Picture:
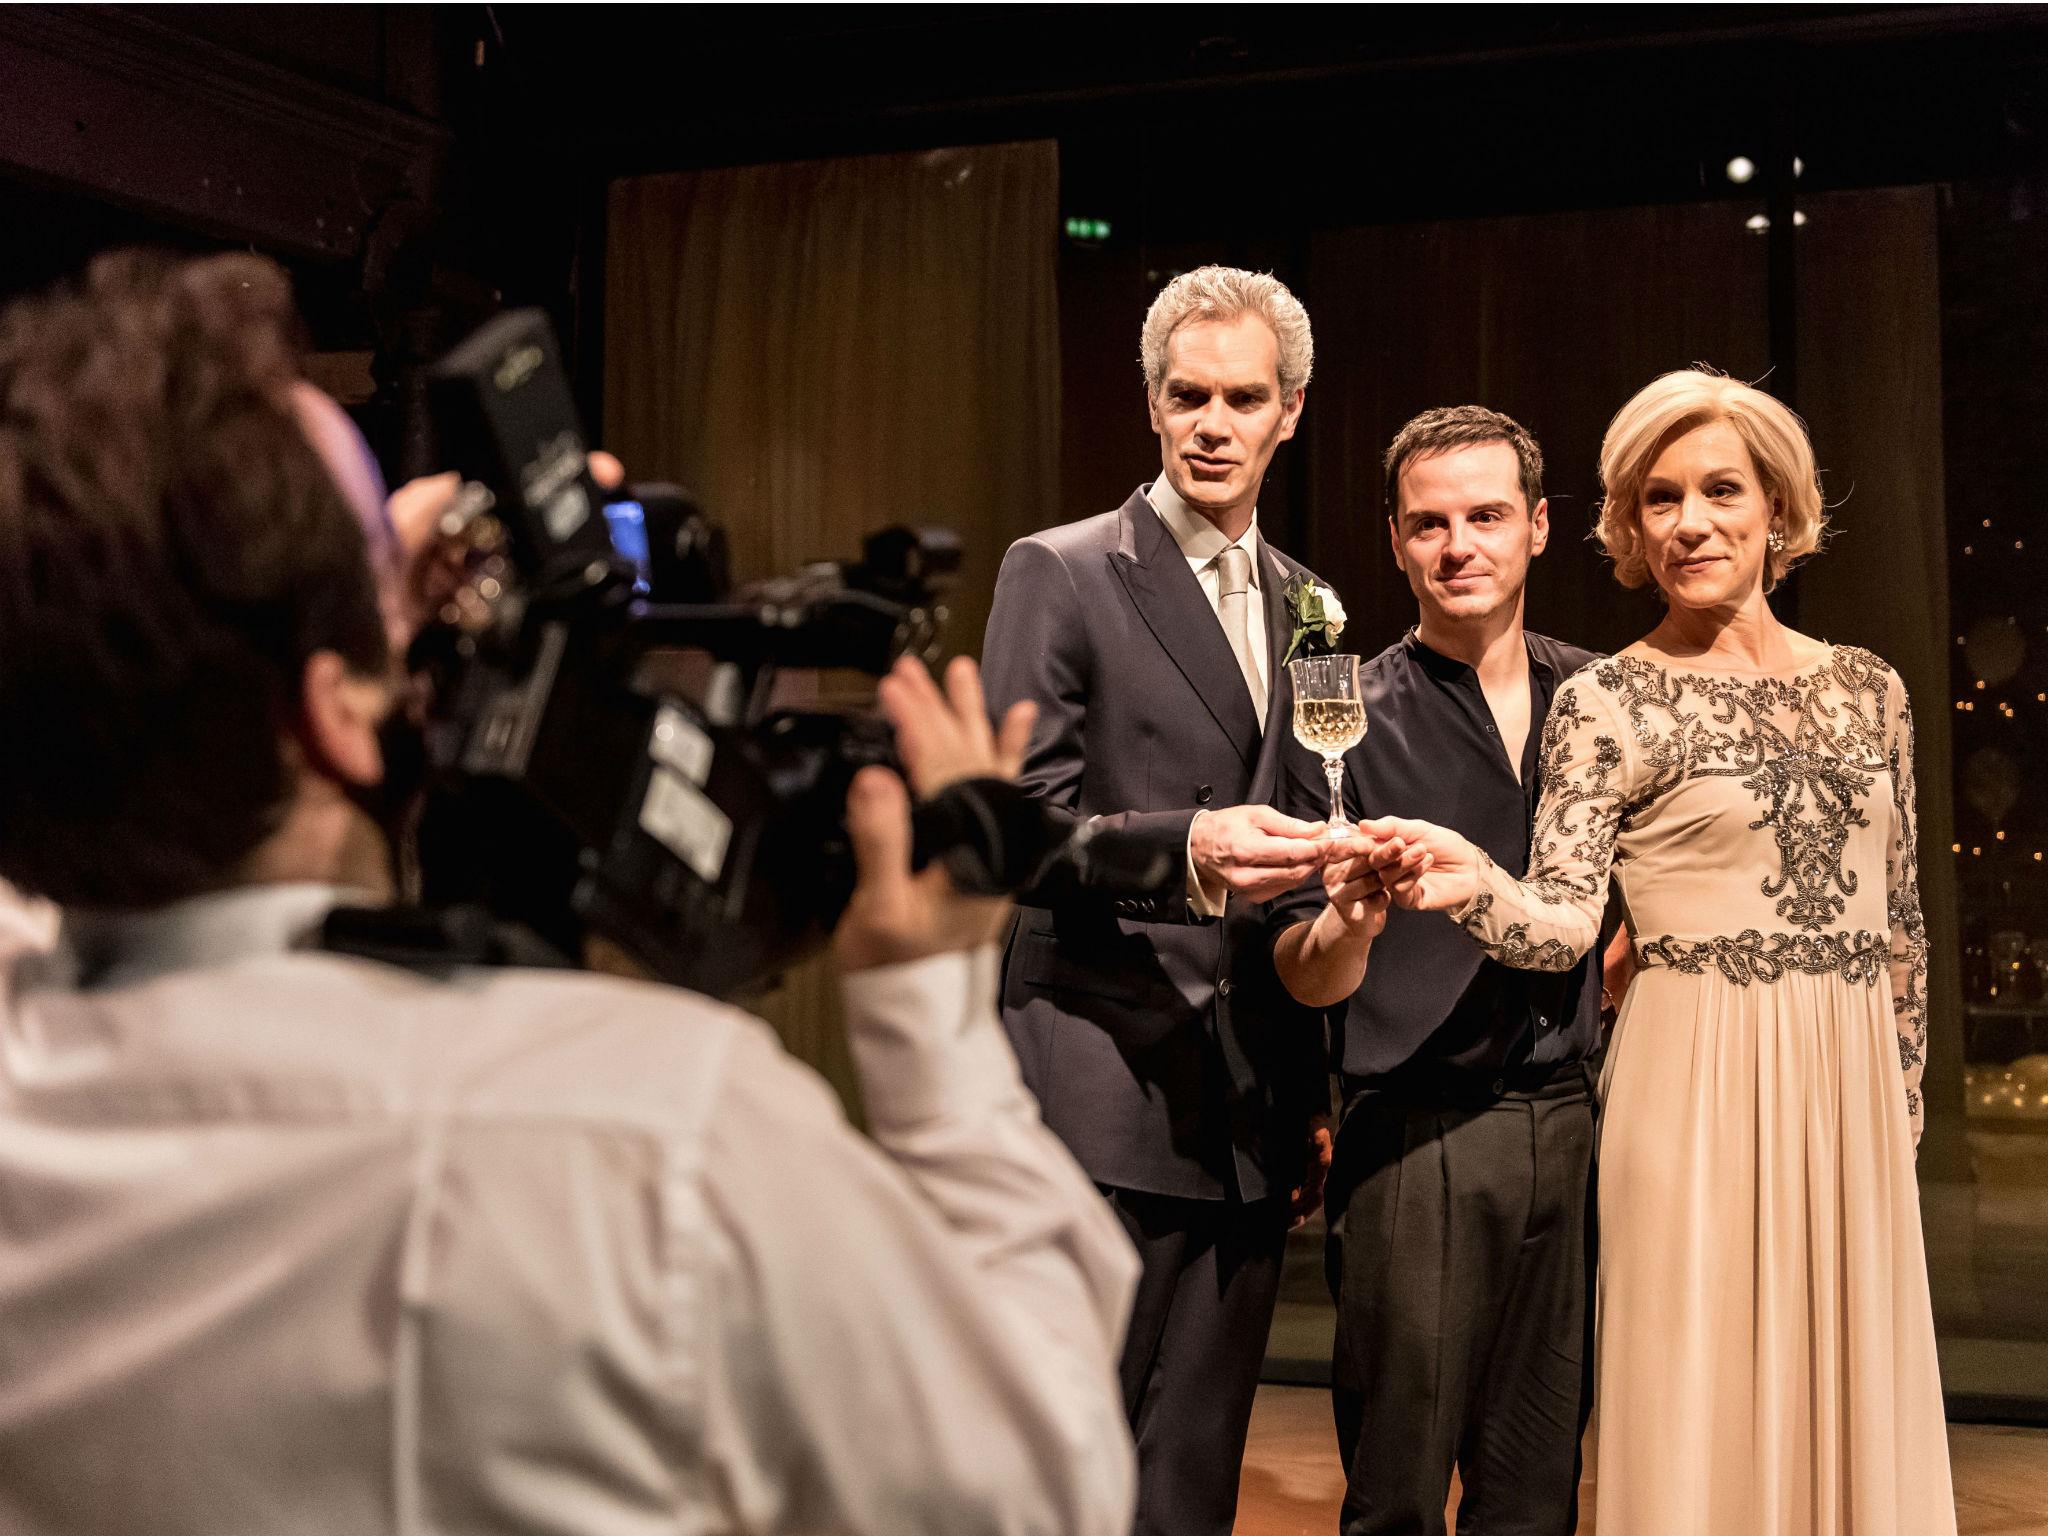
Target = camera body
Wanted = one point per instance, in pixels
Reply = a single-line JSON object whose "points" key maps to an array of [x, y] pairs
{"points": [[575, 793]]}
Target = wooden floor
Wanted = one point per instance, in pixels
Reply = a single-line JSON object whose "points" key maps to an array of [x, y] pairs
{"points": [[1293, 1485]]}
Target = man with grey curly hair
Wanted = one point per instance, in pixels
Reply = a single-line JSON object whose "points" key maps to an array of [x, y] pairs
{"points": [[1224, 293], [1137, 986]]}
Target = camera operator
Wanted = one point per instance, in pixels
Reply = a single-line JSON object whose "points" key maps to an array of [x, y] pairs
{"points": [[295, 1241]]}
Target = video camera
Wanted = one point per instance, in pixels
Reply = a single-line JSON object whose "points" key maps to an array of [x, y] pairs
{"points": [[574, 794]]}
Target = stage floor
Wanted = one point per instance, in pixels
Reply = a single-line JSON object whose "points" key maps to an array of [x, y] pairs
{"points": [[1293, 1485]]}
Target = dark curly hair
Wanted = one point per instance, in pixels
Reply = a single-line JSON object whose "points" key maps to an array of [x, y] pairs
{"points": [[172, 550]]}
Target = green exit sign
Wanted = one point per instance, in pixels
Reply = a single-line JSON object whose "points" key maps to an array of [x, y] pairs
{"points": [[1087, 229]]}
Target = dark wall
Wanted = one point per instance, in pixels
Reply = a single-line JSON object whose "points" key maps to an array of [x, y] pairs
{"points": [[1994, 320]]}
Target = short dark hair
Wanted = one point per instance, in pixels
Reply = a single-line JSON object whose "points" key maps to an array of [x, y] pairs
{"points": [[172, 550], [1462, 426]]}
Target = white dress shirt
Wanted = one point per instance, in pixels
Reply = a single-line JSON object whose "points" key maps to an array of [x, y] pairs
{"points": [[1201, 541], [293, 1242]]}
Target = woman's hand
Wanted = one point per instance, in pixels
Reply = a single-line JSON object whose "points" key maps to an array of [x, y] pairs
{"points": [[1449, 878]]}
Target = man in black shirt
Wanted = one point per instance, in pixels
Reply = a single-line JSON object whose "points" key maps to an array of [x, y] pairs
{"points": [[1460, 1249]]}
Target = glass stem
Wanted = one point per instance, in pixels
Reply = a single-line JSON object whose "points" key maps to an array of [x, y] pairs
{"points": [[1333, 770]]}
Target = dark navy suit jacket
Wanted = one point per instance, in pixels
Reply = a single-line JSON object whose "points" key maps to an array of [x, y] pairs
{"points": [[1162, 1049]]}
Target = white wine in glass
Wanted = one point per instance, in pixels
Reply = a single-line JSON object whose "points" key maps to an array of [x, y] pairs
{"points": [[1329, 719]]}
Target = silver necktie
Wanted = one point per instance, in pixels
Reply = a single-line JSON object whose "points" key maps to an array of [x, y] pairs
{"points": [[1233, 580]]}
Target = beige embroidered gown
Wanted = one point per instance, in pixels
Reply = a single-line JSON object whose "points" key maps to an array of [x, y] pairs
{"points": [[1765, 1357]]}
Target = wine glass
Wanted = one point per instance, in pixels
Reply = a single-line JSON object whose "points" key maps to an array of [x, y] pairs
{"points": [[1329, 718]]}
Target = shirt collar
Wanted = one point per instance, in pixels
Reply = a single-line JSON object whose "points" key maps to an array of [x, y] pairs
{"points": [[117, 949], [1437, 664], [1433, 661], [1199, 539]]}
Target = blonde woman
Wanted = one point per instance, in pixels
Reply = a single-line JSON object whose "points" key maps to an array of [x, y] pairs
{"points": [[1766, 1362]]}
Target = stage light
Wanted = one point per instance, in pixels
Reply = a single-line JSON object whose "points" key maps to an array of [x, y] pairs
{"points": [[1757, 223], [1741, 169], [1798, 219], [1798, 166]]}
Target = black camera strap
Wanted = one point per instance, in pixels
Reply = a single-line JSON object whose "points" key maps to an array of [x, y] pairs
{"points": [[436, 939]]}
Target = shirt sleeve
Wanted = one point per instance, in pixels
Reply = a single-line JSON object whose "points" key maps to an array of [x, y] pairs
{"points": [[1902, 904], [1548, 920], [916, 1333], [1204, 900]]}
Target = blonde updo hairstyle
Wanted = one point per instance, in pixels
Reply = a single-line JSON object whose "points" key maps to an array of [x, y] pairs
{"points": [[1677, 403]]}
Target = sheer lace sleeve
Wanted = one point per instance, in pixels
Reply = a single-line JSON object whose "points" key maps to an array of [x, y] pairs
{"points": [[1546, 922], [1902, 904]]}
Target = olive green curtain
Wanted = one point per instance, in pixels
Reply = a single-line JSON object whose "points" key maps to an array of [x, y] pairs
{"points": [[825, 348]]}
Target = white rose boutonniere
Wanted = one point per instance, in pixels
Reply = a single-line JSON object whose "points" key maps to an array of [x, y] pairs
{"points": [[1317, 613]]}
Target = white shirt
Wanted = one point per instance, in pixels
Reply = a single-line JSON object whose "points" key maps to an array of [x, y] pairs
{"points": [[292, 1242], [1201, 541]]}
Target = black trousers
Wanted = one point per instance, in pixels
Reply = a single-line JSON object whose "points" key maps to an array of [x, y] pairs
{"points": [[1461, 1260], [1211, 1272]]}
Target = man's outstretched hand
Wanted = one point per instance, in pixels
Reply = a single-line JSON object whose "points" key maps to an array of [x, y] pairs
{"points": [[898, 914], [1255, 852]]}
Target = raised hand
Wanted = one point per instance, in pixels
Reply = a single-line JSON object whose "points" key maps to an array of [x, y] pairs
{"points": [[897, 914], [419, 567], [944, 740], [1255, 851]]}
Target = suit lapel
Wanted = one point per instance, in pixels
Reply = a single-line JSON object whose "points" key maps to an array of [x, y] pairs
{"points": [[1170, 599], [1274, 573], [1279, 628]]}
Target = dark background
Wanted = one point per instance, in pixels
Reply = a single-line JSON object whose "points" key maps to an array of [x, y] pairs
{"points": [[1526, 206]]}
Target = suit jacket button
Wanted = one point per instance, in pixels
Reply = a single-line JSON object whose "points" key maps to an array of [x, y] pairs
{"points": [[1203, 794], [1500, 1085], [1223, 987]]}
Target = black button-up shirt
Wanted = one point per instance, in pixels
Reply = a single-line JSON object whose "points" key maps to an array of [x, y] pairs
{"points": [[1434, 1012]]}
